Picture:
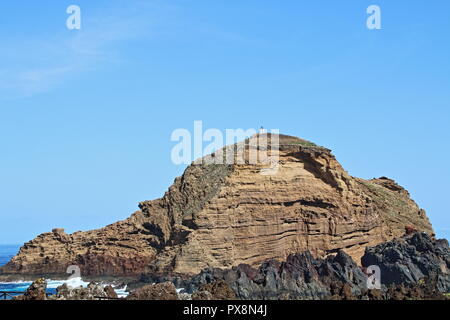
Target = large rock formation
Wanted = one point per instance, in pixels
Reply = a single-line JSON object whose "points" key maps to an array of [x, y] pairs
{"points": [[223, 215]]}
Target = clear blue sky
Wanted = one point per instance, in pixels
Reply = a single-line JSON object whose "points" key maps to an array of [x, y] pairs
{"points": [[86, 116]]}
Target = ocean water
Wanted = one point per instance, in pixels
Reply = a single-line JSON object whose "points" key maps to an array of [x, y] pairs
{"points": [[8, 251]]}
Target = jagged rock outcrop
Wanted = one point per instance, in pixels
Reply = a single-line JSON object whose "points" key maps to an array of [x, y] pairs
{"points": [[412, 267], [224, 215], [93, 291], [410, 260], [300, 277]]}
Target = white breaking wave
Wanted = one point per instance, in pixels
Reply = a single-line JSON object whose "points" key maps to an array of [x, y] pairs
{"points": [[71, 283], [121, 292], [16, 282]]}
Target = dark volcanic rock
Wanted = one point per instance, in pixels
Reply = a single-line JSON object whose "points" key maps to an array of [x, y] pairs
{"points": [[413, 267], [411, 260], [300, 277]]}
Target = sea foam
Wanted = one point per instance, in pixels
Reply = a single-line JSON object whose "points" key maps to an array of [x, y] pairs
{"points": [[53, 284]]}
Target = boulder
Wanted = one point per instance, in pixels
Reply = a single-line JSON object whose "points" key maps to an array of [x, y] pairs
{"points": [[160, 291], [58, 231], [110, 293], [36, 291], [217, 290]]}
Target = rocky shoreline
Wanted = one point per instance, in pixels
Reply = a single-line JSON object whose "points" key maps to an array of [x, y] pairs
{"points": [[414, 267]]}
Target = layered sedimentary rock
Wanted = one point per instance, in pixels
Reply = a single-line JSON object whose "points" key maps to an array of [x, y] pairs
{"points": [[223, 215]]}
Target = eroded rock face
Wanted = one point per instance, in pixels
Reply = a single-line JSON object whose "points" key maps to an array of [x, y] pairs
{"points": [[225, 215]]}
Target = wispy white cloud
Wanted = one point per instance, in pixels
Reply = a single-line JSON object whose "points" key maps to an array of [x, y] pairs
{"points": [[32, 66]]}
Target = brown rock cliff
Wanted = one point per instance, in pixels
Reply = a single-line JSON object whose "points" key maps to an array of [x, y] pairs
{"points": [[223, 215]]}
